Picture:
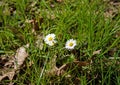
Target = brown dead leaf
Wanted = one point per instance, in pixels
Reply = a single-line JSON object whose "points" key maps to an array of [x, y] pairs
{"points": [[112, 9], [82, 63], [15, 63], [9, 74], [10, 63], [35, 24], [20, 57]]}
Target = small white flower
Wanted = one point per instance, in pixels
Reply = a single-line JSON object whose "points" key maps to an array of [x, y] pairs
{"points": [[70, 44], [50, 39]]}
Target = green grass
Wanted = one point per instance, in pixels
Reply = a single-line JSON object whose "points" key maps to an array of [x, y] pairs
{"points": [[82, 20]]}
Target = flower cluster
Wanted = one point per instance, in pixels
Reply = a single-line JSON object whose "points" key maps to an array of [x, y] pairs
{"points": [[50, 40]]}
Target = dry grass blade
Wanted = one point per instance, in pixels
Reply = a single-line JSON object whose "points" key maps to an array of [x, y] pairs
{"points": [[114, 58], [97, 52]]}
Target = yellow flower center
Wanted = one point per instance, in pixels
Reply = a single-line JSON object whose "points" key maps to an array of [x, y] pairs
{"points": [[50, 38], [70, 44]]}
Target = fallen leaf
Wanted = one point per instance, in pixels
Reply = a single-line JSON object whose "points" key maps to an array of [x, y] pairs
{"points": [[10, 74], [12, 66], [81, 63], [20, 57]]}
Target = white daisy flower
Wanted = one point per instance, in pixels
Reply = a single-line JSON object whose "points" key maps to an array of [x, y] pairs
{"points": [[70, 44], [50, 39]]}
